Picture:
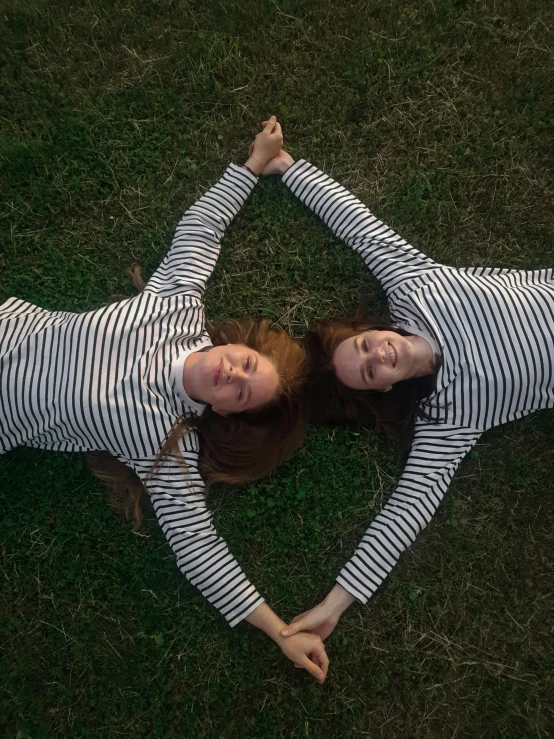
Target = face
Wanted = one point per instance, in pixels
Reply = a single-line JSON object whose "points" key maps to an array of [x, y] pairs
{"points": [[374, 360], [235, 378]]}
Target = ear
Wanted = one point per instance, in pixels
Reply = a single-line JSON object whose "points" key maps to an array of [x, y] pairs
{"points": [[386, 389], [219, 411]]}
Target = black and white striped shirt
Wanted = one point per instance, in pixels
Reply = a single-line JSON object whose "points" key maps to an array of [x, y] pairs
{"points": [[111, 379], [494, 330]]}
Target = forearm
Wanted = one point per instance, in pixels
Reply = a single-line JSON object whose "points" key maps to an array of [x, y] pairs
{"points": [[338, 600], [268, 621], [339, 209], [197, 241]]}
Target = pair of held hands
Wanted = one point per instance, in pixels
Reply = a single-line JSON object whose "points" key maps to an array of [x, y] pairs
{"points": [[266, 153], [302, 640]]}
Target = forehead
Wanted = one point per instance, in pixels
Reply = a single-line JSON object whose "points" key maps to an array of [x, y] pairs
{"points": [[372, 336], [264, 383], [346, 353]]}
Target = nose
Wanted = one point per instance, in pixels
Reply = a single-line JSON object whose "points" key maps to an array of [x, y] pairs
{"points": [[379, 354], [235, 373]]}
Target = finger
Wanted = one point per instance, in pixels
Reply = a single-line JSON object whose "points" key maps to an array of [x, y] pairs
{"points": [[250, 149], [293, 628], [277, 130], [313, 669], [319, 655], [270, 124]]}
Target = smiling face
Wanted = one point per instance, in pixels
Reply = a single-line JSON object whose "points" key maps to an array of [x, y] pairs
{"points": [[233, 378], [374, 360]]}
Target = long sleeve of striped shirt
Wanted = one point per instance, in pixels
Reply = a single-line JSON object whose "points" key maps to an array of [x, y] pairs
{"points": [[436, 453], [202, 556], [389, 257], [197, 241]]}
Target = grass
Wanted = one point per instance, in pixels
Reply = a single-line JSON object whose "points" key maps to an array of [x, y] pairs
{"points": [[115, 117]]}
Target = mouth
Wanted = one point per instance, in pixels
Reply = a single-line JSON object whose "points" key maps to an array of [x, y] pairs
{"points": [[217, 373], [393, 355]]}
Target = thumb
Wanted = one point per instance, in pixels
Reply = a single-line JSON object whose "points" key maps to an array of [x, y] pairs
{"points": [[294, 628]]}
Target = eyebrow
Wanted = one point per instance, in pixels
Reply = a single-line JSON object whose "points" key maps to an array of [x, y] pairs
{"points": [[357, 347], [248, 388]]}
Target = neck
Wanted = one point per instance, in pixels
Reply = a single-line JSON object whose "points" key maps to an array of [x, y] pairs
{"points": [[424, 358], [190, 377]]}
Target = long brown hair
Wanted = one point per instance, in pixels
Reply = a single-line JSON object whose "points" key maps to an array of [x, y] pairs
{"points": [[331, 401], [234, 449]]}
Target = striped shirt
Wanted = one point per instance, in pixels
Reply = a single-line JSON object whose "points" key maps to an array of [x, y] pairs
{"points": [[493, 329], [111, 380]]}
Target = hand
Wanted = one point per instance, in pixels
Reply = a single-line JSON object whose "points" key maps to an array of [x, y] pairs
{"points": [[307, 652], [266, 145], [279, 164], [319, 620], [322, 619]]}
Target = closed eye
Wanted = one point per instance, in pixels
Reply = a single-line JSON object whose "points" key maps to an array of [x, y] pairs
{"points": [[247, 364]]}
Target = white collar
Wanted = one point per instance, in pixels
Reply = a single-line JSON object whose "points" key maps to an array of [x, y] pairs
{"points": [[176, 377]]}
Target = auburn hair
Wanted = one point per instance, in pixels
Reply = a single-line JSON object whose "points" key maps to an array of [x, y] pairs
{"points": [[332, 402], [237, 448]]}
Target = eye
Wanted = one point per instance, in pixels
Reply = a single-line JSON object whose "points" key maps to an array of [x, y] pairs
{"points": [[247, 364], [365, 346]]}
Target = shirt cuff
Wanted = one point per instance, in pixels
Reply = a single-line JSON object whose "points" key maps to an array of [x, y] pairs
{"points": [[249, 176], [347, 585], [236, 618], [289, 173]]}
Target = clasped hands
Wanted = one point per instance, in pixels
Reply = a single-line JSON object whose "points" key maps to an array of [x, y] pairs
{"points": [[266, 154]]}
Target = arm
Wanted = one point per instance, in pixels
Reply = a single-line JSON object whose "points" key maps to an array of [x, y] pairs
{"points": [[202, 555], [197, 241], [436, 453], [205, 560], [391, 259]]}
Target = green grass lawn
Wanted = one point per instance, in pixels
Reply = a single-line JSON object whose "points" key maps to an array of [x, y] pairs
{"points": [[114, 117]]}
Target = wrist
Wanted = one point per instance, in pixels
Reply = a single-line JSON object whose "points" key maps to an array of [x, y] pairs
{"points": [[338, 600], [254, 165], [266, 620], [287, 162]]}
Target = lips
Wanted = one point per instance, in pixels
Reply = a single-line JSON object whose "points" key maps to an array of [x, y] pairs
{"points": [[393, 355], [218, 370]]}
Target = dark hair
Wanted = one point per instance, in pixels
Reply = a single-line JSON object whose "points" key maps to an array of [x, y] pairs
{"points": [[331, 401], [237, 448]]}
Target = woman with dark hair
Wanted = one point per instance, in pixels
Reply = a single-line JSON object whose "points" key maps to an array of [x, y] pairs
{"points": [[168, 405], [393, 409], [467, 350]]}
